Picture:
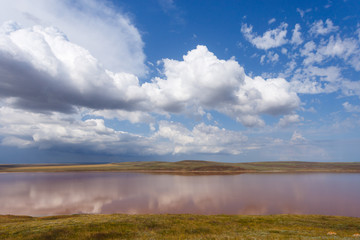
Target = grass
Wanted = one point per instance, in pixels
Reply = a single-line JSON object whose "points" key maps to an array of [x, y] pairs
{"points": [[190, 167], [120, 226]]}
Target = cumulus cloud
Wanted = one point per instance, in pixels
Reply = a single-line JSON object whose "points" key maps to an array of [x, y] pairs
{"points": [[41, 70], [55, 70], [347, 49], [201, 79], [318, 75], [59, 131], [328, 74], [321, 28], [297, 138], [272, 96], [270, 39], [48, 82], [201, 139], [314, 80], [289, 119], [296, 37], [350, 88], [26, 129], [133, 116], [351, 108], [340, 48], [271, 57], [323, 60], [96, 25]]}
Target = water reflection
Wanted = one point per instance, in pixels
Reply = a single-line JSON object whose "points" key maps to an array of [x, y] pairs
{"points": [[68, 193]]}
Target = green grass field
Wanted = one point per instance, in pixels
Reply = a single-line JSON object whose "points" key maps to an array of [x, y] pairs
{"points": [[190, 167], [179, 227]]}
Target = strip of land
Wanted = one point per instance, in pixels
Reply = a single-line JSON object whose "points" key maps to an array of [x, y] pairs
{"points": [[191, 167], [120, 226]]}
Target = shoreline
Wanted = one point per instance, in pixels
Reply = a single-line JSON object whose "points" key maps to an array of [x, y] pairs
{"points": [[191, 167]]}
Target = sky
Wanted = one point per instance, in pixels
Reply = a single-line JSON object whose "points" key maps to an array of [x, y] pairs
{"points": [[231, 81]]}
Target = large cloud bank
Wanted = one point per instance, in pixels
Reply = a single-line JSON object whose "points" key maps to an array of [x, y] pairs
{"points": [[68, 132], [43, 71], [50, 80], [102, 29]]}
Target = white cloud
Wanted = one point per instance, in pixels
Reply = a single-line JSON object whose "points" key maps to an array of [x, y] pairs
{"points": [[339, 48], [59, 131], [200, 82], [289, 119], [302, 12], [309, 52], [296, 37], [260, 96], [262, 59], [133, 116], [271, 57], [351, 108], [271, 21], [203, 80], [25, 129], [201, 139], [314, 80], [307, 86], [43, 71], [328, 74], [297, 138], [270, 39], [347, 49], [318, 76], [112, 38], [319, 28], [72, 78], [350, 88]]}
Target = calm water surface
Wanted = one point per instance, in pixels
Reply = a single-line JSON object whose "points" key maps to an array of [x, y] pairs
{"points": [[40, 194]]}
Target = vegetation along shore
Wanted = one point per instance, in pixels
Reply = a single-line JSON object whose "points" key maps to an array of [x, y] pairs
{"points": [[183, 226]]}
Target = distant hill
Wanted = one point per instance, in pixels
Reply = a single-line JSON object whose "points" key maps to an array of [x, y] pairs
{"points": [[191, 167]]}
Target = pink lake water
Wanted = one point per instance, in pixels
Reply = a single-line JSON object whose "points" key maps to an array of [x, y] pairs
{"points": [[43, 194]]}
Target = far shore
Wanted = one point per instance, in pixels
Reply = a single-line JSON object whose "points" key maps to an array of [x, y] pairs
{"points": [[192, 167]]}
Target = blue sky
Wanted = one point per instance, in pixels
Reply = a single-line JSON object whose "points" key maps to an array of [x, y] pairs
{"points": [[93, 81]]}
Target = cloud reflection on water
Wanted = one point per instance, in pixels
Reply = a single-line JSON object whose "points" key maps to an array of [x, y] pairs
{"points": [[39, 194]]}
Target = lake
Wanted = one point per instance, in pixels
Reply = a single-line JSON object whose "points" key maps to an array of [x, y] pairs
{"points": [[42, 194]]}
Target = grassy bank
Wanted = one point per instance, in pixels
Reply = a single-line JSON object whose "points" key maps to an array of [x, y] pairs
{"points": [[179, 227], [195, 167]]}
